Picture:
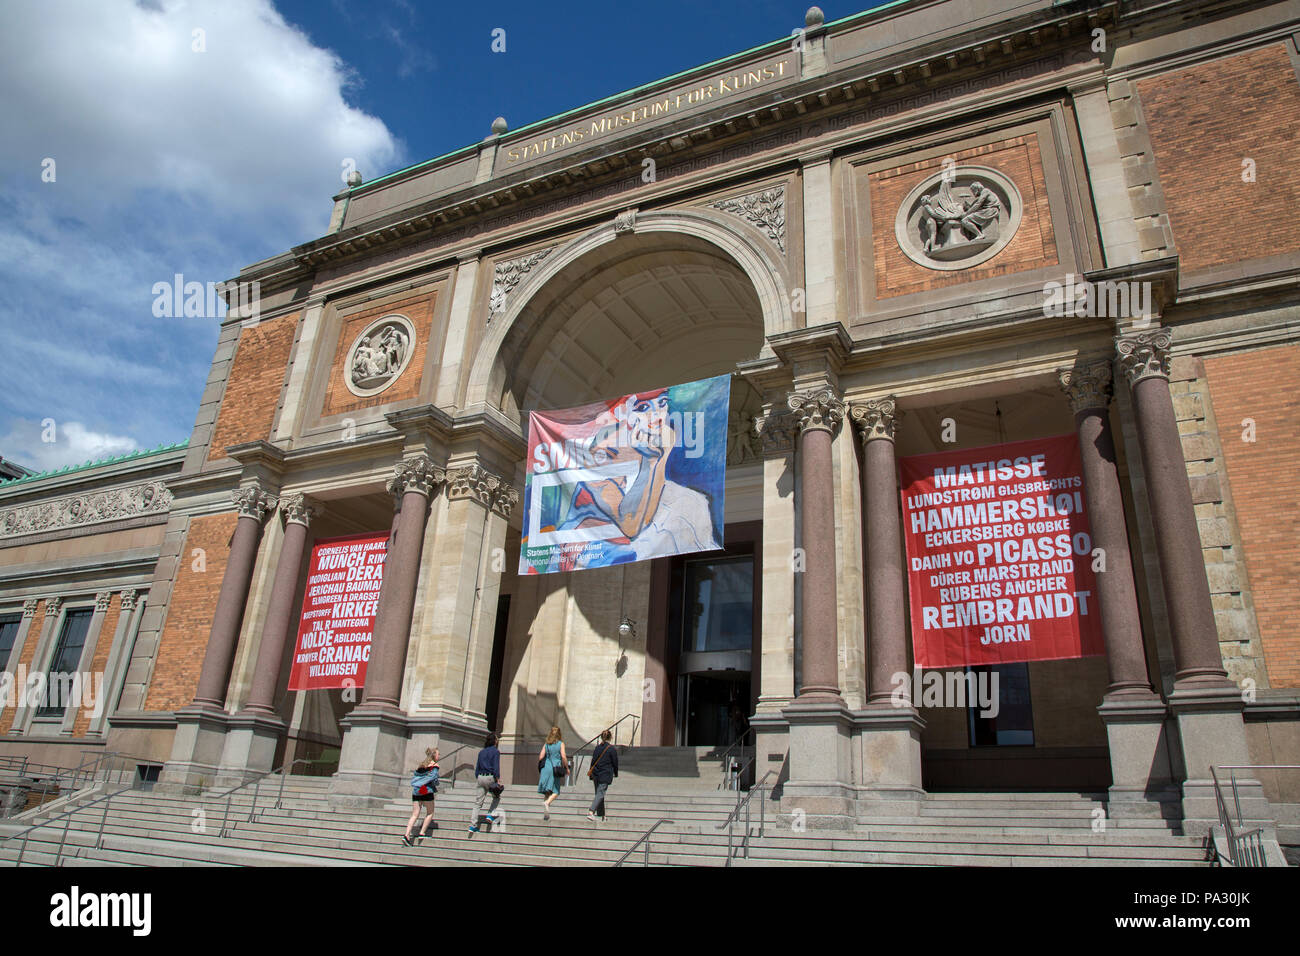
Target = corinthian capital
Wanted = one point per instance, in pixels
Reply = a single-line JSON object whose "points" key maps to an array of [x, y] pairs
{"points": [[252, 502], [478, 484], [817, 408], [876, 418], [1087, 386], [298, 509], [418, 474], [1144, 355]]}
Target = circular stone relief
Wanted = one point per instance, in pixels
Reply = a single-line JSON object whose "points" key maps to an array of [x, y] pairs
{"points": [[958, 217], [379, 355]]}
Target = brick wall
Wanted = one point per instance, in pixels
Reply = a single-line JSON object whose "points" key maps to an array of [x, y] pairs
{"points": [[253, 389], [1259, 385], [1203, 121], [420, 310], [25, 660], [1033, 247], [189, 613], [1216, 516], [99, 665]]}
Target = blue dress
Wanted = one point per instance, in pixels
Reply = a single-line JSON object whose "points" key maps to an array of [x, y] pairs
{"points": [[552, 774]]}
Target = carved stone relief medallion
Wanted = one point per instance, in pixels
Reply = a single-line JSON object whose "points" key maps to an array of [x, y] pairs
{"points": [[379, 355], [958, 217]]}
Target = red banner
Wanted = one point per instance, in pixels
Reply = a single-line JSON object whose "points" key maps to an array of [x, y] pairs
{"points": [[999, 554], [338, 612]]}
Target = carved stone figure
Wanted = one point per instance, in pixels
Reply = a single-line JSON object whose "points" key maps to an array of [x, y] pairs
{"points": [[959, 217], [380, 354]]}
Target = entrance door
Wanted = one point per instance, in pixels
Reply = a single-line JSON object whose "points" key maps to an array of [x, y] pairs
{"points": [[716, 710]]}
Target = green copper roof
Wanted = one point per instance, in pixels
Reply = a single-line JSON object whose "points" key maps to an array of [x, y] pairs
{"points": [[617, 96], [86, 466]]}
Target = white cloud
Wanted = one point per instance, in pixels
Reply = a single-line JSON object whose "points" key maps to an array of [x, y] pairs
{"points": [[72, 444], [166, 161]]}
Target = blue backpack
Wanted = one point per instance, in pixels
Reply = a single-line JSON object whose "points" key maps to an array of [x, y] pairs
{"points": [[424, 782]]}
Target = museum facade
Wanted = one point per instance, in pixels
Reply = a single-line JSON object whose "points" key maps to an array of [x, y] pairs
{"points": [[932, 226]]}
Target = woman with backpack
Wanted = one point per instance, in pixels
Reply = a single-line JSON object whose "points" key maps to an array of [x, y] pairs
{"points": [[553, 767], [424, 785], [604, 768]]}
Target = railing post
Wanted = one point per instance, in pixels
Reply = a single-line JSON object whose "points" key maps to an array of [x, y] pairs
{"points": [[252, 811], [226, 818], [58, 857], [1236, 797], [279, 799]]}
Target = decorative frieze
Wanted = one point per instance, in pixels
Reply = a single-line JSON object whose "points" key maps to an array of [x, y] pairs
{"points": [[507, 275], [742, 437], [479, 484], [298, 509], [876, 418], [417, 474], [776, 432], [252, 502], [1143, 355], [75, 511], [818, 408], [765, 210], [1087, 386]]}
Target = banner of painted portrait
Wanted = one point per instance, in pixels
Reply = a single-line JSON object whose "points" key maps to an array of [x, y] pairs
{"points": [[338, 612], [999, 554], [635, 477]]}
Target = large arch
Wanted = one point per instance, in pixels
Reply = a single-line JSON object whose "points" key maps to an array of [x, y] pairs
{"points": [[692, 230]]}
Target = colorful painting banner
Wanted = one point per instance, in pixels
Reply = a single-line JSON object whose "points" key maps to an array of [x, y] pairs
{"points": [[999, 554], [636, 477], [338, 612]]}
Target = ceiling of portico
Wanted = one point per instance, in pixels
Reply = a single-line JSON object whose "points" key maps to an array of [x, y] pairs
{"points": [[639, 312]]}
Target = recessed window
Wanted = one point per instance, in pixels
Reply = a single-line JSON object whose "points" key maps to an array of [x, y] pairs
{"points": [[1013, 725], [8, 634], [59, 682]]}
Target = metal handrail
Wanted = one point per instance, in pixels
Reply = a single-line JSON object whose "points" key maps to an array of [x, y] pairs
{"points": [[256, 783], [743, 804], [726, 754], [644, 838], [66, 816], [577, 754], [454, 768], [1245, 847]]}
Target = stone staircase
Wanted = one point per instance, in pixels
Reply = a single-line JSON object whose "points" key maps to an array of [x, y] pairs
{"points": [[167, 829]]}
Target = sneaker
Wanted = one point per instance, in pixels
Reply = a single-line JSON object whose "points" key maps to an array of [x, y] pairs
{"points": [[407, 840], [491, 818], [473, 829], [591, 816], [546, 813]]}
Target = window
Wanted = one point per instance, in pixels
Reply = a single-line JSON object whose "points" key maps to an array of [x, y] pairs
{"points": [[67, 660], [8, 634], [719, 605]]}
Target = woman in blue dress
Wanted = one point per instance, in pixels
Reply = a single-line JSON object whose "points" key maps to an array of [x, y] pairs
{"points": [[553, 767]]}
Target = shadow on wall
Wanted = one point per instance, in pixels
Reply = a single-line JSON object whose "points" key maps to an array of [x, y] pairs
{"points": [[519, 751]]}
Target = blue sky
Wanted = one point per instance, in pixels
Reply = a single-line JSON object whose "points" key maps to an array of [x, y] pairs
{"points": [[161, 137]]}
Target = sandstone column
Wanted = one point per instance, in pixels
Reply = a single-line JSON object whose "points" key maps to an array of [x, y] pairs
{"points": [[375, 733], [253, 504], [1133, 714], [414, 481], [820, 723], [818, 413], [889, 734], [199, 743], [1206, 705], [297, 514]]}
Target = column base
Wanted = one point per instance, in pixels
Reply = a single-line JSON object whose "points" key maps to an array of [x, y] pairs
{"points": [[252, 740], [197, 747], [449, 731], [819, 791], [1141, 773], [887, 748], [771, 743], [1211, 733], [372, 758]]}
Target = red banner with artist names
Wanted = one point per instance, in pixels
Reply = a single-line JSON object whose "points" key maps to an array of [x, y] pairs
{"points": [[338, 612], [1000, 555]]}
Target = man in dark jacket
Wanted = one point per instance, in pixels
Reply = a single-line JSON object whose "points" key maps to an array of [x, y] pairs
{"points": [[487, 776], [604, 768]]}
